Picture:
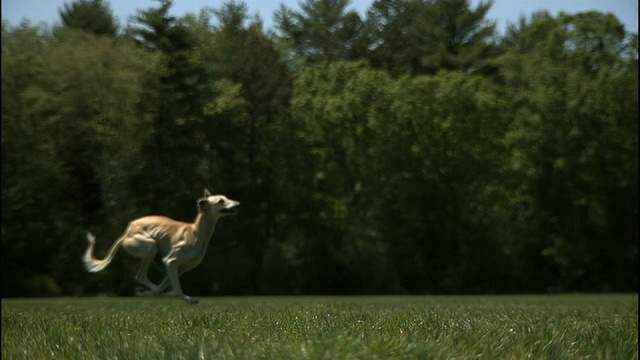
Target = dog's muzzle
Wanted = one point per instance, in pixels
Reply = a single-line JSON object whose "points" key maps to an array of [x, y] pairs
{"points": [[231, 210]]}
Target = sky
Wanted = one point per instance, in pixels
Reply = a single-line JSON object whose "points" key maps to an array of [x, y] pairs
{"points": [[503, 11]]}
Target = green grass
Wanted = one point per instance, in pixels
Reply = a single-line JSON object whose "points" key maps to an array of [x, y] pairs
{"points": [[423, 327]]}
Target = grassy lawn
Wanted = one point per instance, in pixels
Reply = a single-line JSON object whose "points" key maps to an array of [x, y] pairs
{"points": [[423, 327]]}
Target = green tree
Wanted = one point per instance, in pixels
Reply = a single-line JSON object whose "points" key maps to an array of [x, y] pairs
{"points": [[573, 145], [439, 163], [246, 56], [33, 176], [322, 31], [388, 24], [249, 88], [332, 190], [449, 35], [92, 16], [97, 129], [80, 133], [391, 179], [177, 107]]}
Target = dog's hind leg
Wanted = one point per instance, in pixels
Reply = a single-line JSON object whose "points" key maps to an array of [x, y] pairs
{"points": [[142, 278], [164, 284], [146, 249]]}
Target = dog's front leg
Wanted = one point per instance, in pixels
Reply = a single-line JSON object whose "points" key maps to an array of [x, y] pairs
{"points": [[172, 272], [164, 285]]}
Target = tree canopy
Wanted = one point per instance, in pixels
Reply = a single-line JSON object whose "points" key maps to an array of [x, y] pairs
{"points": [[92, 16]]}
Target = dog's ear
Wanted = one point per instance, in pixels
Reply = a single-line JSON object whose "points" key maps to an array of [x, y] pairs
{"points": [[203, 204], [207, 193]]}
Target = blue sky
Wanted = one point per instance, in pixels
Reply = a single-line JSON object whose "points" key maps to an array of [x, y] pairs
{"points": [[503, 11]]}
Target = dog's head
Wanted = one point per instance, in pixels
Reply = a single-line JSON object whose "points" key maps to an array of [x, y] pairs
{"points": [[217, 205]]}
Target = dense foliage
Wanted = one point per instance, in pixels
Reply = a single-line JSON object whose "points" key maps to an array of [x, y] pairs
{"points": [[412, 151]]}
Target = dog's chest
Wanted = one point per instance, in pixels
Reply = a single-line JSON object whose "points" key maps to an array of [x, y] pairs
{"points": [[187, 255], [192, 258]]}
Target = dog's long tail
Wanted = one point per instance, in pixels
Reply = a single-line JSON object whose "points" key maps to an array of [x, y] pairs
{"points": [[90, 262]]}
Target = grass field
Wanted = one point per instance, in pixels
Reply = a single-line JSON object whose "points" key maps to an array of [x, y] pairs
{"points": [[422, 327]]}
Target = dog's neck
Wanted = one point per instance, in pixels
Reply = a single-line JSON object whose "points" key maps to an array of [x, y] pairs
{"points": [[204, 225]]}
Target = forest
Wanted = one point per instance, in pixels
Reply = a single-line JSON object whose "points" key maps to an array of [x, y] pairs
{"points": [[409, 150]]}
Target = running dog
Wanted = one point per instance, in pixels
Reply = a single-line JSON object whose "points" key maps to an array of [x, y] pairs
{"points": [[180, 245]]}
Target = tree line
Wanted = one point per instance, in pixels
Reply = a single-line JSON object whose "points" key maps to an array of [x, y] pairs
{"points": [[411, 150]]}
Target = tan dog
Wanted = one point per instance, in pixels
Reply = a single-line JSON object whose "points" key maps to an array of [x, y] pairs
{"points": [[180, 245]]}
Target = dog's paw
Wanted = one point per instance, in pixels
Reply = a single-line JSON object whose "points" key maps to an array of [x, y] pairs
{"points": [[140, 291], [190, 300]]}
